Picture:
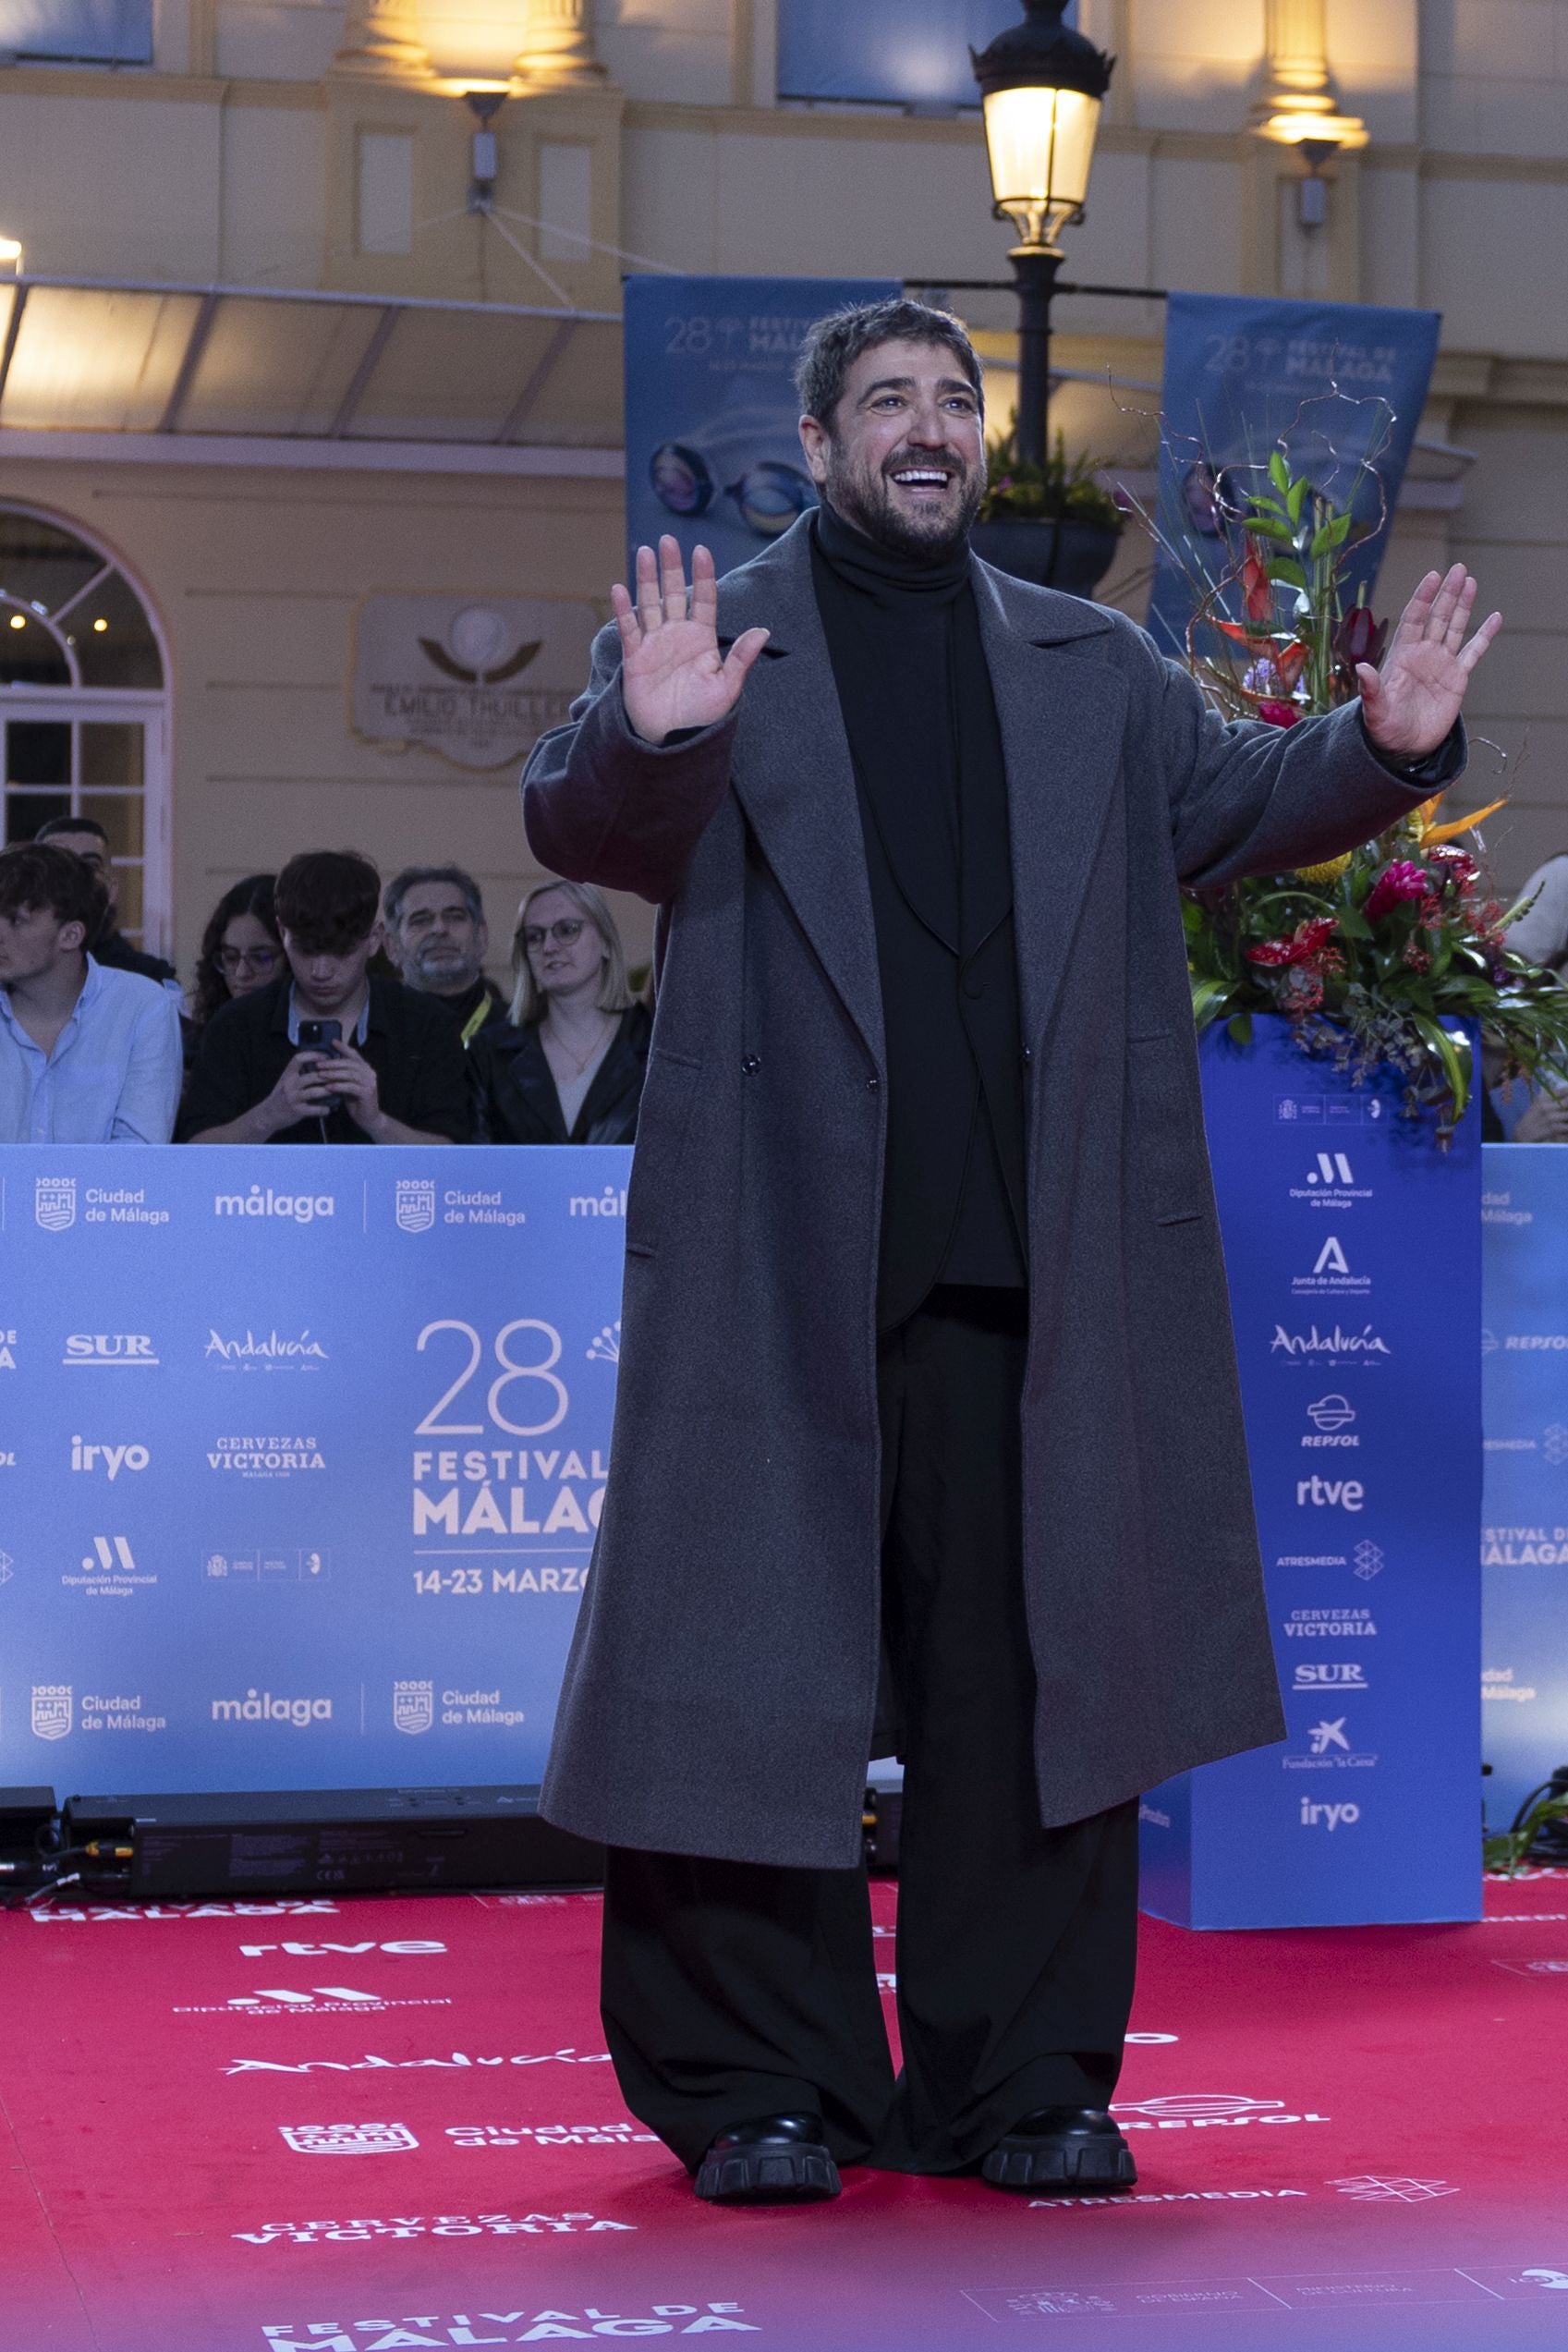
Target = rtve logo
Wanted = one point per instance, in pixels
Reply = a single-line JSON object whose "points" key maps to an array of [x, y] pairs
{"points": [[1333, 1494]]}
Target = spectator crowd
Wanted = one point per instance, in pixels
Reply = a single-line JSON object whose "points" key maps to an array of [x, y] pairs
{"points": [[323, 1010], [327, 1010]]}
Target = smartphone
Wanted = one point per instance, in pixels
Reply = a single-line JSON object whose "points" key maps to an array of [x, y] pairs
{"points": [[321, 1037]]}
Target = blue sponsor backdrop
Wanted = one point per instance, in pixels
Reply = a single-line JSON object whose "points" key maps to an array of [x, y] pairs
{"points": [[1525, 1518], [712, 449], [302, 1454], [1340, 382], [1354, 1252]]}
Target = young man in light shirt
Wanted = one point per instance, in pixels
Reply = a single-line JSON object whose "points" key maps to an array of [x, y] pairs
{"points": [[87, 1054]]}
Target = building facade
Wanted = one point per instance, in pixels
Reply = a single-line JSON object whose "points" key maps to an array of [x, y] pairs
{"points": [[314, 363]]}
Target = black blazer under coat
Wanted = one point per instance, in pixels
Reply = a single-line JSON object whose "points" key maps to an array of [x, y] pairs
{"points": [[514, 1090]]}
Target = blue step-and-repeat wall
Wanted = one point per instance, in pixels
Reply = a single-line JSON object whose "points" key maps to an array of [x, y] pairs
{"points": [[301, 1454]]}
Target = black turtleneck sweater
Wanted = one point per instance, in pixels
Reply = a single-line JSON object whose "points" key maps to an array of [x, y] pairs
{"points": [[920, 716]]}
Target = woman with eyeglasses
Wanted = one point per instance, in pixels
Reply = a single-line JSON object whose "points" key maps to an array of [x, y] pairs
{"points": [[240, 949], [567, 1065]]}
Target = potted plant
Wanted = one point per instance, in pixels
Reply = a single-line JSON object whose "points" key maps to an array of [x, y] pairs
{"points": [[1055, 524]]}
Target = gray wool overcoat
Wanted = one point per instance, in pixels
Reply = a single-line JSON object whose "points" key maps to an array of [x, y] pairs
{"points": [[720, 1694]]}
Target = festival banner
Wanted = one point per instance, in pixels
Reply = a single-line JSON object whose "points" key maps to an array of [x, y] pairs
{"points": [[1524, 1519], [301, 1454], [1352, 1248], [712, 449], [1340, 385]]}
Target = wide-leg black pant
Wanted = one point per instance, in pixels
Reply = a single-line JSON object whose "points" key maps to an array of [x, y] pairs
{"points": [[733, 1990]]}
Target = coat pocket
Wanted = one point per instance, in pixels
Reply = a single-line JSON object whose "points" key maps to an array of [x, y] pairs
{"points": [[669, 1095], [1167, 1149]]}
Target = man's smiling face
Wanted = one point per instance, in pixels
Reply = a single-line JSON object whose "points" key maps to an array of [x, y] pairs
{"points": [[903, 457]]}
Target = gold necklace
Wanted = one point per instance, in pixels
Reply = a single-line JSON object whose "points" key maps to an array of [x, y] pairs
{"points": [[579, 1065]]}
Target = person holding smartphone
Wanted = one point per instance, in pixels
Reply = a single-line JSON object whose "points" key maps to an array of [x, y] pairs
{"points": [[328, 1053]]}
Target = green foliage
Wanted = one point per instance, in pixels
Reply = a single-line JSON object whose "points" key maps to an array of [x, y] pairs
{"points": [[1509, 1849], [1369, 955], [1017, 490]]}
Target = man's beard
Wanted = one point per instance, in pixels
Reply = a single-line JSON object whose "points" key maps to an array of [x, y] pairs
{"points": [[869, 501], [444, 976]]}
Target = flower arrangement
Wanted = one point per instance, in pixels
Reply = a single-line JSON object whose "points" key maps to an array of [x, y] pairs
{"points": [[1020, 491], [1370, 955]]}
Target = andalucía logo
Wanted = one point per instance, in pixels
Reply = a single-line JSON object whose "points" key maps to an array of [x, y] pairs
{"points": [[52, 1705], [349, 2139], [273, 1353], [413, 1706], [1333, 1344], [414, 1204], [53, 1203], [296, 1208]]}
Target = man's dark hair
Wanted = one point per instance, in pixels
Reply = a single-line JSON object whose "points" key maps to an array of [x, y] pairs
{"points": [[34, 873], [328, 901], [410, 877], [71, 825], [832, 345]]}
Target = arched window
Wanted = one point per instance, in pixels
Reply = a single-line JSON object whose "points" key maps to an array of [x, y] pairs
{"points": [[82, 706]]}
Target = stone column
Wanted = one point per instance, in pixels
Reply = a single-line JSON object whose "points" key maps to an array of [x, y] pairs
{"points": [[380, 39], [557, 49]]}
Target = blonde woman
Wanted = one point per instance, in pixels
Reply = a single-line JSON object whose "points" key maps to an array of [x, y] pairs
{"points": [[567, 1065]]}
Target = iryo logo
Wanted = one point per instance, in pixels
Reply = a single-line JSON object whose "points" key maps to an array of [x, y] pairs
{"points": [[111, 1458], [1329, 1817]]}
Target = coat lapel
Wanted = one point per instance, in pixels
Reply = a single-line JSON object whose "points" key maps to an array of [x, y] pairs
{"points": [[794, 776], [1062, 715]]}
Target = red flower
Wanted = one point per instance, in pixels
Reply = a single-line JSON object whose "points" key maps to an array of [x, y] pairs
{"points": [[1257, 587], [1308, 944], [1359, 637], [1279, 713], [1399, 882], [1417, 959], [1299, 992], [1454, 865]]}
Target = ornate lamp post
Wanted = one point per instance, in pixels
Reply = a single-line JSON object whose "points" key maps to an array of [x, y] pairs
{"points": [[1040, 85]]}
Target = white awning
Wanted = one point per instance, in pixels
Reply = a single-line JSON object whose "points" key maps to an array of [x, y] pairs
{"points": [[223, 363]]}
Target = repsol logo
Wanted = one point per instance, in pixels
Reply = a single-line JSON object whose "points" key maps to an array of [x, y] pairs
{"points": [[298, 1208], [260, 1707]]}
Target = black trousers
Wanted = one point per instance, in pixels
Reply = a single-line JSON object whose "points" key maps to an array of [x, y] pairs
{"points": [[735, 1990]]}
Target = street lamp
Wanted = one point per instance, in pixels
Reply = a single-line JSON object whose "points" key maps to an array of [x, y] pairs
{"points": [[1041, 87]]}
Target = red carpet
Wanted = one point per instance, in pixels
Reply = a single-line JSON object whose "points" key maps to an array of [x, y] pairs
{"points": [[1351, 2139]]}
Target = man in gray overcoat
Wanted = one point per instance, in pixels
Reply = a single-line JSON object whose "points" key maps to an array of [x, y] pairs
{"points": [[929, 1430]]}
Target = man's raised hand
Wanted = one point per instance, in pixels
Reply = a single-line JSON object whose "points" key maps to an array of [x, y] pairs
{"points": [[673, 674], [1411, 704]]}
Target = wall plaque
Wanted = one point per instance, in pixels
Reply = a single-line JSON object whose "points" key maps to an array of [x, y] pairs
{"points": [[477, 682]]}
